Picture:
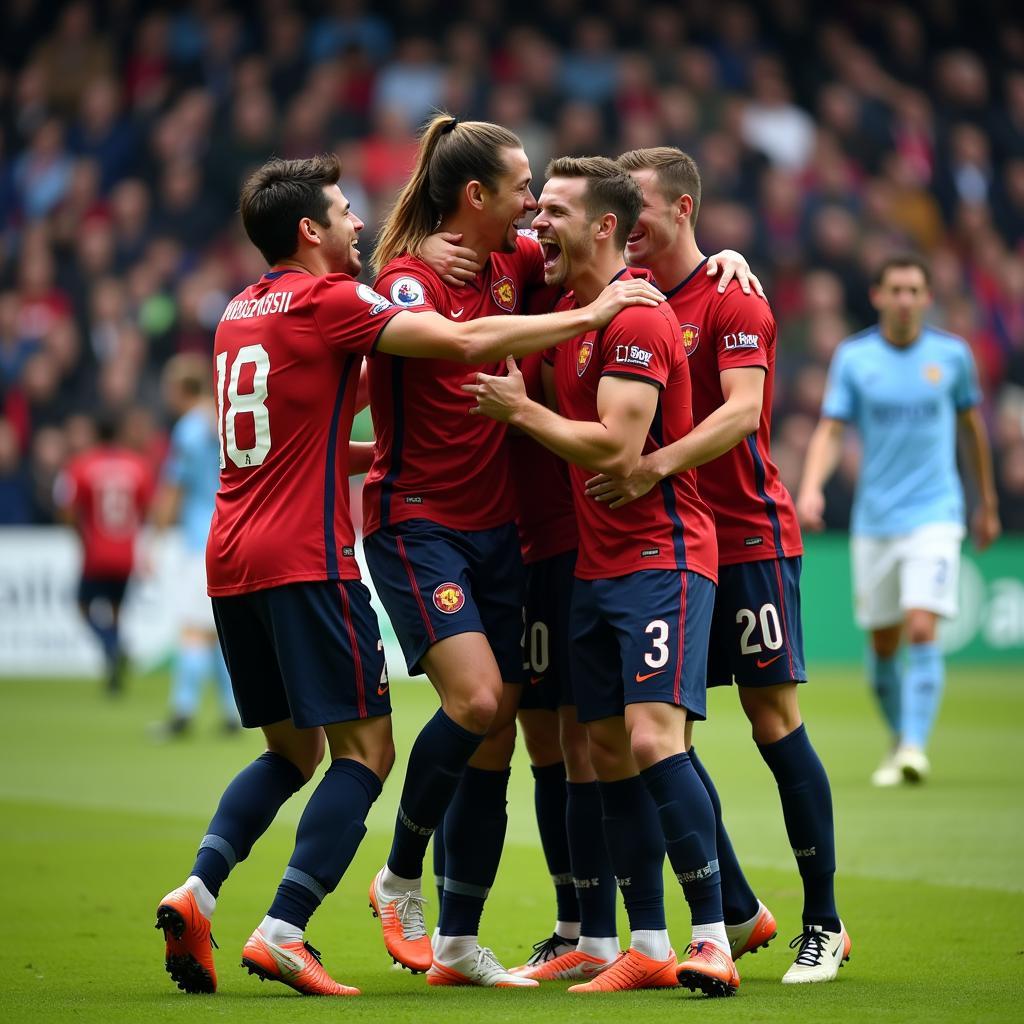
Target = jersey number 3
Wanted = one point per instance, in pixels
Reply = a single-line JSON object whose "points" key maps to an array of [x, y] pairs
{"points": [[253, 402]]}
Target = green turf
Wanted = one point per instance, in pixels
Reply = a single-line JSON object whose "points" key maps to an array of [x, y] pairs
{"points": [[99, 821]]}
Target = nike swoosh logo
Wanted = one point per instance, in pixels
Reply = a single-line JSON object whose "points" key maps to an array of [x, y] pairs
{"points": [[289, 965], [381, 690], [534, 680], [650, 675], [770, 661], [455, 316]]}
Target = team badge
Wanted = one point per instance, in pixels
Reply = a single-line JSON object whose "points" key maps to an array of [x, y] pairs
{"points": [[691, 337], [504, 294], [449, 598], [933, 373], [583, 357], [374, 300], [407, 291]]}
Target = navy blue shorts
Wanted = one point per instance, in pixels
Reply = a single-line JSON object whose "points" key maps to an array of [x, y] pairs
{"points": [[756, 635], [310, 652], [640, 638], [435, 582], [93, 588], [549, 586]]}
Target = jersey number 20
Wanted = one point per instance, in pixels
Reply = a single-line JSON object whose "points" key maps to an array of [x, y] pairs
{"points": [[253, 402]]}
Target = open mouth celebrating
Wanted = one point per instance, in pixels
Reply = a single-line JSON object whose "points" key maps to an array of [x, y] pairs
{"points": [[551, 251]]}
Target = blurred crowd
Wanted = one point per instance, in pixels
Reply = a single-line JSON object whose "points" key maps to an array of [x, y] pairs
{"points": [[827, 135]]}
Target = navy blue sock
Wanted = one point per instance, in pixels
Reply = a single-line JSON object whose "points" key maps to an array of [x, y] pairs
{"points": [[248, 806], [100, 619], [807, 810], [329, 833], [591, 866], [439, 864], [474, 834], [636, 847], [549, 799], [688, 821], [436, 763], [738, 900]]}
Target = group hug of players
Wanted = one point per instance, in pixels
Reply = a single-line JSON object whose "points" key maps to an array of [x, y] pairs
{"points": [[551, 455]]}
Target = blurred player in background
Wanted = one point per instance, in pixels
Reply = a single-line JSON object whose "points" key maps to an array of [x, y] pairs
{"points": [[907, 388], [645, 581], [104, 494], [756, 632], [186, 495]]}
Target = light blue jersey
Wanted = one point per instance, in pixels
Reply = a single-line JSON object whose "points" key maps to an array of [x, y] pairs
{"points": [[904, 404], [193, 464]]}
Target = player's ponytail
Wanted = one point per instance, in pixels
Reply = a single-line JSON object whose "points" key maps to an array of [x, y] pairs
{"points": [[451, 153]]}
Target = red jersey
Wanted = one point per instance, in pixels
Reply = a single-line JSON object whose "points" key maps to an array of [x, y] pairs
{"points": [[432, 459], [109, 490], [287, 355], [754, 513], [546, 516], [670, 527]]}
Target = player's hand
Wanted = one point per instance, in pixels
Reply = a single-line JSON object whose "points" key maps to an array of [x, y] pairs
{"points": [[499, 397], [810, 510], [618, 491], [985, 527], [729, 264], [453, 263], [620, 294]]}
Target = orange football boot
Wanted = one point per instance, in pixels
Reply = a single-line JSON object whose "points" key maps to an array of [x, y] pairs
{"points": [[749, 939], [632, 970], [401, 919], [188, 958], [295, 964], [708, 969], [569, 966]]}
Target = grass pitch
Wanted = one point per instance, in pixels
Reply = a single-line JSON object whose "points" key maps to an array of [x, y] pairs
{"points": [[99, 822]]}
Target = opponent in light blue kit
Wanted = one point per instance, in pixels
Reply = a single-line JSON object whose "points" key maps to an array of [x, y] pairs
{"points": [[187, 490], [906, 388]]}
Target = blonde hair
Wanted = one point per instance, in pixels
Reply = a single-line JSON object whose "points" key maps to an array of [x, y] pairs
{"points": [[676, 171], [451, 153], [609, 190]]}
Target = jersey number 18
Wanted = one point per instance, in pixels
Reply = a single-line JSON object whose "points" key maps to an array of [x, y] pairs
{"points": [[253, 402]]}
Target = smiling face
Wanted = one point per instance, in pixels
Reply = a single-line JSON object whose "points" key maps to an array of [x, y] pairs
{"points": [[658, 228], [339, 240], [565, 230], [510, 200]]}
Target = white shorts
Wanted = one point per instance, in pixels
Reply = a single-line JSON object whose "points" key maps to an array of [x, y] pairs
{"points": [[194, 608], [892, 575]]}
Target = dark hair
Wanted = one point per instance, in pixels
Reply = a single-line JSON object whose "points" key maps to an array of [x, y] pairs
{"points": [[900, 260], [676, 172], [108, 426], [279, 194], [451, 153], [609, 190]]}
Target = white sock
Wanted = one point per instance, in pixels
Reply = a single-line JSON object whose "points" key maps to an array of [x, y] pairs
{"points": [[393, 883], [712, 933], [603, 948], [654, 944], [279, 932], [450, 948], [205, 899], [567, 929], [435, 937]]}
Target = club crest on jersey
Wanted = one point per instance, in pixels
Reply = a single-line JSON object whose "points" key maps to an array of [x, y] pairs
{"points": [[449, 598], [504, 293], [374, 300], [691, 337], [407, 291], [583, 357], [933, 373]]}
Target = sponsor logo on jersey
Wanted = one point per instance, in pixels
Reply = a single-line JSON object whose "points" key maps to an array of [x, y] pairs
{"points": [[407, 291], [374, 300], [691, 337], [740, 340], [633, 355], [583, 357], [649, 553], [504, 293], [752, 542], [348, 551], [932, 373], [449, 598]]}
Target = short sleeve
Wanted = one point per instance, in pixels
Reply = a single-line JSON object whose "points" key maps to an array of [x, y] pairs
{"points": [[840, 402], [743, 328], [966, 391], [639, 343], [409, 290], [350, 315]]}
